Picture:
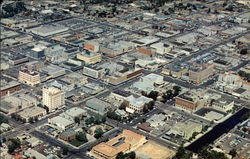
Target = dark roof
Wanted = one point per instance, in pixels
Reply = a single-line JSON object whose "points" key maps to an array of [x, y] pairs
{"points": [[240, 90]]}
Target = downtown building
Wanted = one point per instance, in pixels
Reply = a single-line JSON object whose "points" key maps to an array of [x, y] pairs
{"points": [[53, 98]]}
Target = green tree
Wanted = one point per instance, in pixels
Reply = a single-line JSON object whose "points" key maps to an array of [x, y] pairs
{"points": [[90, 120], [31, 120], [243, 51], [120, 155], [81, 137], [123, 106], [233, 153], [3, 119], [98, 133], [153, 95], [65, 151], [177, 90], [14, 144], [77, 120]]}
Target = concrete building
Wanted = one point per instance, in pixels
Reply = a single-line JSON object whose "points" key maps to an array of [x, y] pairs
{"points": [[29, 77], [61, 123], [73, 113], [125, 142], [47, 30], [32, 113], [53, 71], [162, 48], [147, 83], [89, 57], [187, 128], [13, 104], [223, 105], [95, 72], [175, 70], [200, 73], [53, 98], [18, 59], [33, 66], [136, 105], [98, 105], [38, 51], [9, 87]]}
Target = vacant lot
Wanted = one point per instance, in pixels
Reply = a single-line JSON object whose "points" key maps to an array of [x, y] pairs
{"points": [[155, 151]]}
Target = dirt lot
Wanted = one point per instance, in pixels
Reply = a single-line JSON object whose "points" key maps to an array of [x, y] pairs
{"points": [[155, 151]]}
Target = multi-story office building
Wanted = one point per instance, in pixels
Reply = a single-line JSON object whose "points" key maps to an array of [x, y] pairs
{"points": [[29, 77], [53, 98]]}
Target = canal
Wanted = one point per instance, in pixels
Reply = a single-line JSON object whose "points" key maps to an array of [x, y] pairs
{"points": [[217, 131]]}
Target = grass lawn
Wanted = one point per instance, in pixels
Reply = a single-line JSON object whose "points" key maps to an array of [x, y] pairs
{"points": [[76, 143]]}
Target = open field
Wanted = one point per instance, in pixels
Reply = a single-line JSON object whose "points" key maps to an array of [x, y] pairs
{"points": [[155, 151]]}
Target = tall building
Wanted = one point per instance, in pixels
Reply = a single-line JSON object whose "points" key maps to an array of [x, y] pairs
{"points": [[53, 97]]}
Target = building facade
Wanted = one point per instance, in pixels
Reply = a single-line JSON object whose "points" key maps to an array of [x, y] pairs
{"points": [[53, 98], [29, 77]]}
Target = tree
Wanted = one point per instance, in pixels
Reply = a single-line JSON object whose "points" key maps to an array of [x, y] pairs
{"points": [[119, 155], [65, 151], [77, 120], [113, 115], [15, 144], [81, 137], [177, 90], [243, 51], [123, 106], [233, 153], [153, 95], [131, 155], [90, 120], [3, 119], [182, 154], [98, 133], [31, 120]]}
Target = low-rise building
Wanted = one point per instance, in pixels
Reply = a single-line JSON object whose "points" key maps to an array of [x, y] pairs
{"points": [[9, 87], [18, 59], [98, 105], [89, 57], [136, 104], [32, 113], [61, 123], [223, 105], [13, 104], [68, 135], [125, 142], [187, 129]]}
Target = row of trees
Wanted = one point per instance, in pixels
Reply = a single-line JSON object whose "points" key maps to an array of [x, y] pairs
{"points": [[130, 155], [96, 120], [205, 153], [244, 75], [9, 10], [113, 115], [166, 96]]}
